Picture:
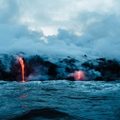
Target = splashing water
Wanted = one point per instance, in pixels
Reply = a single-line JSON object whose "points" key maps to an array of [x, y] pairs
{"points": [[21, 61]]}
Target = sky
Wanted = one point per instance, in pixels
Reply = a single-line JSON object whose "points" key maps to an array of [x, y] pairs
{"points": [[75, 15], [79, 26], [51, 15]]}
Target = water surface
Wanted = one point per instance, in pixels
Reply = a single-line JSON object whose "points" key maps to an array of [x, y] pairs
{"points": [[60, 100]]}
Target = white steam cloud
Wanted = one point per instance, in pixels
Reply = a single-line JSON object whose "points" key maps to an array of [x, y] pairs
{"points": [[61, 27]]}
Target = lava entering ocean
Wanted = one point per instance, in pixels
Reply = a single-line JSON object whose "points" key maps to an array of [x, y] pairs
{"points": [[78, 75], [21, 61]]}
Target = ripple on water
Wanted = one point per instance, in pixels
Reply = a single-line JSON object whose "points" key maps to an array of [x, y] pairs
{"points": [[60, 99]]}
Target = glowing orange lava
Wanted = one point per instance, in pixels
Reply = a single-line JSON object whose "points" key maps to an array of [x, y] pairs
{"points": [[79, 75], [21, 61]]}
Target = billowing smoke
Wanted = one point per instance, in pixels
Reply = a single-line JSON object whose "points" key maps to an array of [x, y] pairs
{"points": [[46, 29]]}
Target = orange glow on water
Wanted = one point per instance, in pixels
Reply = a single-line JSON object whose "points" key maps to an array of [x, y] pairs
{"points": [[79, 75], [21, 61]]}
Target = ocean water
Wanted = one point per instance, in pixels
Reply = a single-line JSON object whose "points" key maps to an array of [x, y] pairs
{"points": [[60, 100]]}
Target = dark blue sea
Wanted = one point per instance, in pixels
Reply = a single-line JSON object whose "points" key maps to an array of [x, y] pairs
{"points": [[60, 100]]}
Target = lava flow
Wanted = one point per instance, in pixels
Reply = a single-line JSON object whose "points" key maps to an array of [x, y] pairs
{"points": [[21, 61], [78, 75]]}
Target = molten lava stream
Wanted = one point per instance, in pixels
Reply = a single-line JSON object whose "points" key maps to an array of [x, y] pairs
{"points": [[21, 61], [79, 75]]}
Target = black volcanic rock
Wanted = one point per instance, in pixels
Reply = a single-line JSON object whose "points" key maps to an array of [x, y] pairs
{"points": [[38, 68], [37, 64], [10, 68], [108, 69], [6, 72]]}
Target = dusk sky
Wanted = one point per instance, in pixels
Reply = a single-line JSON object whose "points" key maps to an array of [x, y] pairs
{"points": [[50, 15], [84, 26]]}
